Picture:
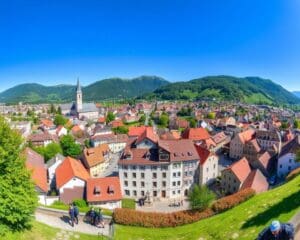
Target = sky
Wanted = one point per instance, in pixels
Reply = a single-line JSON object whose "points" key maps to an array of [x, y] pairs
{"points": [[54, 42]]}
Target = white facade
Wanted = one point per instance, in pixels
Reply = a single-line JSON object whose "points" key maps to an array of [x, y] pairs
{"points": [[209, 170], [74, 182], [107, 205], [286, 163], [51, 172]]}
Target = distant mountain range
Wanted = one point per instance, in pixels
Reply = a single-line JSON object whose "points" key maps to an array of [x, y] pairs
{"points": [[103, 89], [297, 93], [249, 89]]}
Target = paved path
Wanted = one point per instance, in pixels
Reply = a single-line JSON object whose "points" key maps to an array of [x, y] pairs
{"points": [[296, 222], [61, 221]]}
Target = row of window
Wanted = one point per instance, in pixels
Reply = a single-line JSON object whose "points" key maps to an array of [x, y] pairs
{"points": [[142, 175], [163, 168], [154, 193], [142, 184]]}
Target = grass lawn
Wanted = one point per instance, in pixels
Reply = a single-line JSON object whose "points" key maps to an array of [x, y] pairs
{"points": [[128, 203], [242, 222], [41, 231]]}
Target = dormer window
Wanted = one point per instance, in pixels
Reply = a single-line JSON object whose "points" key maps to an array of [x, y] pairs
{"points": [[97, 190], [110, 190], [190, 153]]}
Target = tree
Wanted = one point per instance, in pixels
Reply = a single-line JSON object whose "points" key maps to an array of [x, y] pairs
{"points": [[193, 123], [59, 110], [200, 197], [120, 130], [297, 123], [18, 198], [69, 146], [49, 151], [211, 115], [52, 108], [142, 119], [163, 120], [60, 120], [284, 125], [110, 117]]}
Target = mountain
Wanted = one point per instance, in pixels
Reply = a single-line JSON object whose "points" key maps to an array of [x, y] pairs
{"points": [[249, 89], [104, 89], [296, 93]]}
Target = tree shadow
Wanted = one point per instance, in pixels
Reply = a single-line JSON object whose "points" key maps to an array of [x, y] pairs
{"points": [[284, 206]]}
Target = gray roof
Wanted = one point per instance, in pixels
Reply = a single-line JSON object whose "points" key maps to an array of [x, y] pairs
{"points": [[53, 160], [66, 106], [88, 107]]}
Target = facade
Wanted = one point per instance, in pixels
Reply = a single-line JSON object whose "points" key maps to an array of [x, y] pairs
{"points": [[238, 142], [52, 164], [164, 170], [267, 139]]}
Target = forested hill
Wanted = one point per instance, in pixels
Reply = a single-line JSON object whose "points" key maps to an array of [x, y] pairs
{"points": [[249, 89], [103, 89]]}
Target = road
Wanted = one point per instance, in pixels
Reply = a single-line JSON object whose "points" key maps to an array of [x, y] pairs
{"points": [[112, 169]]}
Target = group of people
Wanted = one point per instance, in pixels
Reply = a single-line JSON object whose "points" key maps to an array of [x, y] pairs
{"points": [[277, 231], [95, 218], [73, 212]]}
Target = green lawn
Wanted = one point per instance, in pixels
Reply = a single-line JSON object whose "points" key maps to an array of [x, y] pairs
{"points": [[242, 222], [41, 231], [128, 203]]}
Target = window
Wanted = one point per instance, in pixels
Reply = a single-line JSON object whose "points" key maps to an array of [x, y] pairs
{"points": [[134, 183], [142, 167], [214, 166], [134, 175], [173, 192], [153, 167], [178, 183], [133, 167], [289, 168], [125, 174], [186, 182], [154, 184], [290, 160], [178, 174], [142, 184], [174, 174], [154, 193], [134, 193], [142, 175], [178, 191], [164, 175], [280, 166], [173, 184], [186, 174], [125, 183], [154, 175], [127, 192], [207, 169], [142, 193], [164, 184]]}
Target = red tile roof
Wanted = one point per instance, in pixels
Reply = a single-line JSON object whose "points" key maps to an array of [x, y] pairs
{"points": [[39, 176], [68, 169], [149, 134], [264, 159], [47, 123], [101, 120], [256, 181], [136, 131], [196, 134], [240, 169], [33, 158], [109, 189], [203, 154], [116, 123], [246, 135]]}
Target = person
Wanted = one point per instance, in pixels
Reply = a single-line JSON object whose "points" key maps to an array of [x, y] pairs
{"points": [[76, 213], [111, 227], [71, 214], [277, 231], [99, 219], [92, 216]]}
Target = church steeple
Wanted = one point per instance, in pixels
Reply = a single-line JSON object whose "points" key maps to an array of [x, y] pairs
{"points": [[78, 96]]}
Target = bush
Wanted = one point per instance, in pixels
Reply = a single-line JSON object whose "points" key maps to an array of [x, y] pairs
{"points": [[128, 203], [200, 197], [81, 203], [293, 174], [231, 201], [152, 219]]}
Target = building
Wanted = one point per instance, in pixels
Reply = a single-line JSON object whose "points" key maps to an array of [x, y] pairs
{"points": [[195, 134], [237, 144], [96, 159], [256, 181], [71, 177], [287, 158], [80, 109], [116, 143], [268, 138], [42, 139], [104, 192], [23, 127], [52, 164], [158, 170]]}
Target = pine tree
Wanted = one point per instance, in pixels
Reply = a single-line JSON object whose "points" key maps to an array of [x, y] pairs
{"points": [[18, 198]]}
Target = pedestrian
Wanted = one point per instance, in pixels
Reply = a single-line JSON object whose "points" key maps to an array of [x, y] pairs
{"points": [[76, 212], [71, 214], [100, 220], [111, 228], [277, 231], [92, 216]]}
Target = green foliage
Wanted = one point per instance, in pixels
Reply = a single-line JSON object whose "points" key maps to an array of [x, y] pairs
{"points": [[60, 120], [120, 130], [297, 123], [142, 119], [18, 198], [284, 125], [87, 143], [200, 197], [81, 203], [59, 110], [128, 203], [110, 117], [211, 115], [163, 120], [193, 123], [49, 151], [185, 112], [69, 146]]}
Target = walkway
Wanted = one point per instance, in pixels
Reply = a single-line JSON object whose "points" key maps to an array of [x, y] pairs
{"points": [[61, 221], [296, 222], [164, 206]]}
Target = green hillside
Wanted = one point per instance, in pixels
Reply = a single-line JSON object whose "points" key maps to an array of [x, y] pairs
{"points": [[104, 89], [243, 222], [249, 89]]}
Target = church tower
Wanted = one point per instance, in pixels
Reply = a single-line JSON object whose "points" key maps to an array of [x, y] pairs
{"points": [[78, 97]]}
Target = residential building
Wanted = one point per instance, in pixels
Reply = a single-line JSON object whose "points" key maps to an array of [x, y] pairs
{"points": [[238, 142]]}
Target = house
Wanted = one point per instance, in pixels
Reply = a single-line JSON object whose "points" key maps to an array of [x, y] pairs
{"points": [[47, 125], [256, 181], [268, 138], [96, 159], [147, 139], [116, 143], [42, 139], [287, 157], [61, 131], [77, 131], [234, 176], [116, 123], [208, 165], [177, 123], [264, 163], [104, 192], [23, 127], [136, 131], [35, 164], [252, 150], [71, 177], [52, 164], [195, 134], [238, 142]]}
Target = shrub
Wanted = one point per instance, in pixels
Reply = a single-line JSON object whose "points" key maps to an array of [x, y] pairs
{"points": [[81, 203], [152, 219], [128, 203], [231, 201], [200, 197], [293, 174]]}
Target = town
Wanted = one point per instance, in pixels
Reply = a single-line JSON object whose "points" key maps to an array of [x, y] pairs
{"points": [[150, 155]]}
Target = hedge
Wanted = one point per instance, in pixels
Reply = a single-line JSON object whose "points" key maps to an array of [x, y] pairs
{"points": [[231, 201], [152, 219], [293, 174]]}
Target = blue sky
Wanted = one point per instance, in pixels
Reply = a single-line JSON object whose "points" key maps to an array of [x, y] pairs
{"points": [[54, 42]]}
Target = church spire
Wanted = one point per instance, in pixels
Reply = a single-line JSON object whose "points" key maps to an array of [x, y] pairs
{"points": [[78, 89]]}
